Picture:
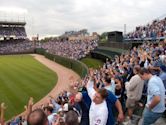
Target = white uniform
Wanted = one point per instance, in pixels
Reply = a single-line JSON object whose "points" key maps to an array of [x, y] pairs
{"points": [[98, 113]]}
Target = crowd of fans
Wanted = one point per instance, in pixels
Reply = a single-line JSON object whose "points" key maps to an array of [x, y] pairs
{"points": [[16, 46], [70, 49], [18, 32], [102, 97], [74, 50], [154, 30], [120, 83]]}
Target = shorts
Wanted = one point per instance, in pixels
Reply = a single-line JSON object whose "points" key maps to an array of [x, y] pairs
{"points": [[131, 103]]}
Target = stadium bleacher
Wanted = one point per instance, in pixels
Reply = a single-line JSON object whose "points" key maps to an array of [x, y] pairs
{"points": [[120, 69], [152, 31], [14, 30]]}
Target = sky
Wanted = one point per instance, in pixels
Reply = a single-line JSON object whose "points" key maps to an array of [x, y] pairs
{"points": [[54, 17]]}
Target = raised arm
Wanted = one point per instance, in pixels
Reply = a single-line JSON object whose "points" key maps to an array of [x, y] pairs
{"points": [[28, 108], [90, 89], [90, 85], [2, 119]]}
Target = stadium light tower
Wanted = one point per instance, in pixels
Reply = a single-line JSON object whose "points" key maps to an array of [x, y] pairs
{"points": [[124, 29]]}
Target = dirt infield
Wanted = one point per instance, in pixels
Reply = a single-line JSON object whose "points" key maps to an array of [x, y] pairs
{"points": [[65, 76]]}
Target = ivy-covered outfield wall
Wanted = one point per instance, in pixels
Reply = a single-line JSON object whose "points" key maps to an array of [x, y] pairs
{"points": [[75, 65]]}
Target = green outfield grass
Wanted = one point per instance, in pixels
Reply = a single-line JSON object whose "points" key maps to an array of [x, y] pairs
{"points": [[21, 76], [92, 63]]}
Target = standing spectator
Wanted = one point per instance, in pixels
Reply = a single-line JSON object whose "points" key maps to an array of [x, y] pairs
{"points": [[134, 90], [118, 88], [109, 85], [98, 105], [155, 105], [102, 101]]}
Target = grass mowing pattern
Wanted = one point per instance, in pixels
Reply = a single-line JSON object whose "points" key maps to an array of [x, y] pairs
{"points": [[92, 63], [21, 76]]}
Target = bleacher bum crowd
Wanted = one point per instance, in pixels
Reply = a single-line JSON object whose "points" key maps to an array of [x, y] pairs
{"points": [[102, 97]]}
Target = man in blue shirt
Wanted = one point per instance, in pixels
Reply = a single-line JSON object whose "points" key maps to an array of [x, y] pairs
{"points": [[155, 105]]}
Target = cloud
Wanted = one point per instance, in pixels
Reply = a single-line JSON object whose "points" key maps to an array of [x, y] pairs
{"points": [[13, 10], [10, 13], [57, 16]]}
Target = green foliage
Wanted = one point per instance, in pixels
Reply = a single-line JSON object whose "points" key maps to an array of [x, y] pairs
{"points": [[80, 68], [21, 77], [103, 35], [46, 39], [103, 38], [40, 51]]}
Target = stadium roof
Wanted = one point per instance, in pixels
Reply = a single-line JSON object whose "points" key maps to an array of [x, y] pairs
{"points": [[12, 23]]}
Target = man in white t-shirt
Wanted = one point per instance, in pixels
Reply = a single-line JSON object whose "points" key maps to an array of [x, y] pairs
{"points": [[102, 102], [98, 112]]}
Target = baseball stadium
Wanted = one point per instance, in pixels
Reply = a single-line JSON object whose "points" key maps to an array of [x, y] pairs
{"points": [[82, 78]]}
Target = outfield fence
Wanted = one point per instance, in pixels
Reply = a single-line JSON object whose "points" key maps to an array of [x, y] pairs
{"points": [[79, 67], [30, 51]]}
